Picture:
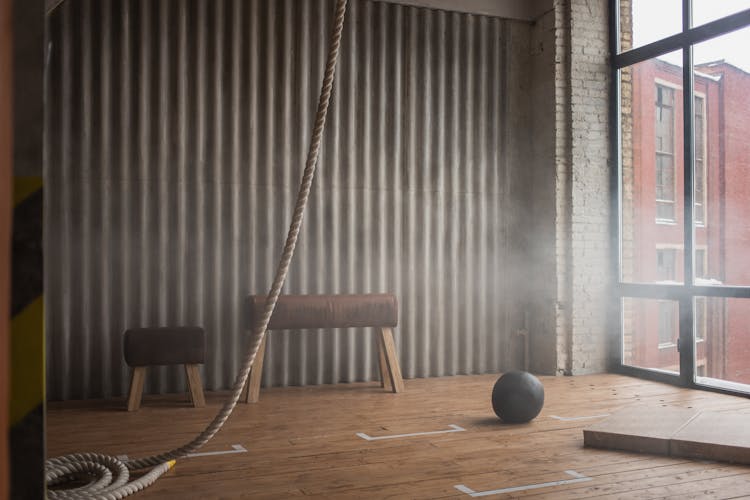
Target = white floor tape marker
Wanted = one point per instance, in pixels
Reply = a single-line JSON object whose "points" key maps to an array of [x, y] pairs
{"points": [[570, 419], [236, 448], [453, 428], [579, 478]]}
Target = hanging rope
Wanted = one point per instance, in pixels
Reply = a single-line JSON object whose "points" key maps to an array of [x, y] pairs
{"points": [[109, 476]]}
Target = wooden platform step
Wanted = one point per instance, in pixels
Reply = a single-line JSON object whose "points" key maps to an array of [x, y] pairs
{"points": [[674, 431]]}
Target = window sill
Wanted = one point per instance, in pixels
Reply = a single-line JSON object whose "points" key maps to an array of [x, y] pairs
{"points": [[667, 345]]}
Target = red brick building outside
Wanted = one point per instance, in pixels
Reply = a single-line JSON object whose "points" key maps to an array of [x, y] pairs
{"points": [[653, 213]]}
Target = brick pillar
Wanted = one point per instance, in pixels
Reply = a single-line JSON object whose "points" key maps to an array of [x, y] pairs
{"points": [[584, 326]]}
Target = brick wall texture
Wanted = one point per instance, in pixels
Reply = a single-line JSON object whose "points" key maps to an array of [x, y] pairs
{"points": [[585, 311]]}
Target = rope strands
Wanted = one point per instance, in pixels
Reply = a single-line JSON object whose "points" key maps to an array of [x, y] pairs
{"points": [[101, 469], [108, 477]]}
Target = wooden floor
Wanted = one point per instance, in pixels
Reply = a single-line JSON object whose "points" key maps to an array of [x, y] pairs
{"points": [[304, 442]]}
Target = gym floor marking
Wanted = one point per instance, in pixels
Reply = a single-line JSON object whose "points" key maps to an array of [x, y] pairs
{"points": [[579, 478], [570, 419], [236, 448], [454, 428]]}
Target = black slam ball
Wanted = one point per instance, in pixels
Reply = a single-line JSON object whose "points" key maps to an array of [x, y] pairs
{"points": [[517, 397]]}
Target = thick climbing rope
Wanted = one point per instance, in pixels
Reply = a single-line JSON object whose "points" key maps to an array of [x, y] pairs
{"points": [[108, 477]]}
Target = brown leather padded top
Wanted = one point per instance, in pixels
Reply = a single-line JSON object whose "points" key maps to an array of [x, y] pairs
{"points": [[165, 346], [327, 311]]}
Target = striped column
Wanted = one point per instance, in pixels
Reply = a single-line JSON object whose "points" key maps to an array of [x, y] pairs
{"points": [[27, 350], [27, 447]]}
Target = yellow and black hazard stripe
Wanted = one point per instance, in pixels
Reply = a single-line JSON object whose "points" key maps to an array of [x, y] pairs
{"points": [[27, 443]]}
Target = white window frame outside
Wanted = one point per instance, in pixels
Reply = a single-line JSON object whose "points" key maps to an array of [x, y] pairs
{"points": [[663, 220]]}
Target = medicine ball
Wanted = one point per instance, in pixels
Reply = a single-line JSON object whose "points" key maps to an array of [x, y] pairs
{"points": [[517, 397]]}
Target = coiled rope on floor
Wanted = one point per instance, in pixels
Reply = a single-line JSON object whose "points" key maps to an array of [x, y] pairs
{"points": [[106, 476]]}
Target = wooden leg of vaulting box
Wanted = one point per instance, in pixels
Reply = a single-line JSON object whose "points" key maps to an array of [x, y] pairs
{"points": [[385, 378], [137, 376], [389, 350], [195, 385], [252, 388]]}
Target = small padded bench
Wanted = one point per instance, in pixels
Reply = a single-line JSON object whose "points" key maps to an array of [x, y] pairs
{"points": [[294, 312], [146, 347]]}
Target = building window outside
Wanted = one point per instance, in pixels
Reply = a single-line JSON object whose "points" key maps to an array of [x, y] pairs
{"points": [[666, 270], [700, 166], [666, 266], [700, 262], [665, 178], [700, 302], [700, 319], [667, 323]]}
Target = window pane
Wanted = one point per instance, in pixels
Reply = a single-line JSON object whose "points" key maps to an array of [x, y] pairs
{"points": [[699, 193], [650, 329], [701, 322], [666, 264], [700, 262], [709, 10], [722, 341], [664, 120], [722, 160], [646, 21], [652, 171]]}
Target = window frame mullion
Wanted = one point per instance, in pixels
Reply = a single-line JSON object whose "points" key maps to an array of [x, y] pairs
{"points": [[687, 342]]}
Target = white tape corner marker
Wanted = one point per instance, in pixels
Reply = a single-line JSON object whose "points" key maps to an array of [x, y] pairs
{"points": [[571, 419], [236, 448], [453, 428], [579, 478]]}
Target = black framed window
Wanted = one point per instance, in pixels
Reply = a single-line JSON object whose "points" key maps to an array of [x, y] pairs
{"points": [[679, 107]]}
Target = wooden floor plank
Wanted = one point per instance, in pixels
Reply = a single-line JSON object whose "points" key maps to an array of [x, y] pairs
{"points": [[302, 441]]}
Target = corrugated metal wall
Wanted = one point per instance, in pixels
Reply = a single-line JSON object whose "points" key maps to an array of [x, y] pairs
{"points": [[176, 133]]}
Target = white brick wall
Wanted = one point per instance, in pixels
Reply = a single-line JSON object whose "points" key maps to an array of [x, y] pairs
{"points": [[584, 320], [565, 257]]}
